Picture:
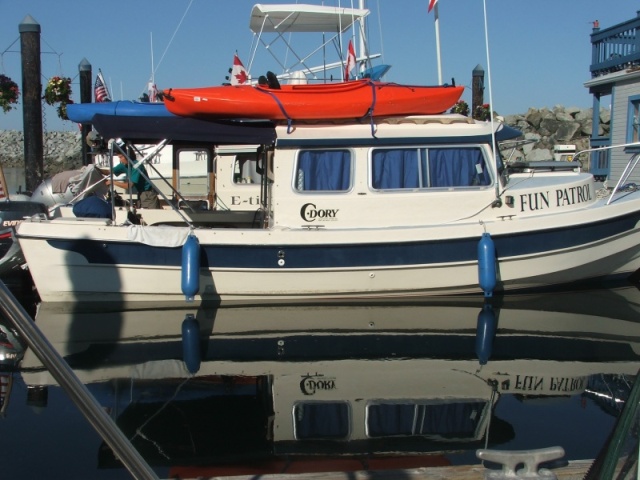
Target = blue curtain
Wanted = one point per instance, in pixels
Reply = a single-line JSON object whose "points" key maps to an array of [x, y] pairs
{"points": [[324, 170], [388, 420], [395, 169], [457, 167], [409, 419], [321, 420]]}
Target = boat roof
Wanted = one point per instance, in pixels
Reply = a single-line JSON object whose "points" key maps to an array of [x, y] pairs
{"points": [[184, 129], [303, 18], [443, 129]]}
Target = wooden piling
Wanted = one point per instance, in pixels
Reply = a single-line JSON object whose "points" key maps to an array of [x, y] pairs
{"points": [[477, 88], [84, 68], [31, 102]]}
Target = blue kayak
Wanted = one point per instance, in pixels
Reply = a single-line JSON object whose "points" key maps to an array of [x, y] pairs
{"points": [[84, 112]]}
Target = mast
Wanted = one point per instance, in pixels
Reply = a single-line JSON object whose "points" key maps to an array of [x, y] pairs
{"points": [[364, 53]]}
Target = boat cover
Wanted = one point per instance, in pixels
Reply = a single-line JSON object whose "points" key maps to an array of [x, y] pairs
{"points": [[303, 18], [183, 129]]}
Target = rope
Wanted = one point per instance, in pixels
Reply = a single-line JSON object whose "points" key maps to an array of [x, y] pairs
{"points": [[372, 107], [282, 109]]}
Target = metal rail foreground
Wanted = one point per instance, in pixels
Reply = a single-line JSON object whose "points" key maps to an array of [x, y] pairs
{"points": [[80, 395]]}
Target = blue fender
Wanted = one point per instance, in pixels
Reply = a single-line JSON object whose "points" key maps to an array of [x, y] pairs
{"points": [[191, 343], [191, 268], [485, 333], [487, 264]]}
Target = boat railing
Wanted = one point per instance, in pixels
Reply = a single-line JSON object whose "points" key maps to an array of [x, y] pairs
{"points": [[621, 185], [513, 146], [628, 170]]}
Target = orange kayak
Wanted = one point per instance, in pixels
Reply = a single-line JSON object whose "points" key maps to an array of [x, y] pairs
{"points": [[354, 99]]}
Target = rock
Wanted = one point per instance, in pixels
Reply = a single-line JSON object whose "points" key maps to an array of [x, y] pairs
{"points": [[539, 154], [60, 150], [566, 131]]}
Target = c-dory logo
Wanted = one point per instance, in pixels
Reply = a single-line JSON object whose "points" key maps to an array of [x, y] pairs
{"points": [[310, 213], [310, 384]]}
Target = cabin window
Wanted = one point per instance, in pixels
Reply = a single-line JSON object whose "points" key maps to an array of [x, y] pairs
{"points": [[193, 179], [321, 420], [417, 419], [323, 170], [633, 122], [442, 167], [244, 169]]}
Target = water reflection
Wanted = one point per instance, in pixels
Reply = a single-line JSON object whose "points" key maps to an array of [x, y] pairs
{"points": [[258, 390]]}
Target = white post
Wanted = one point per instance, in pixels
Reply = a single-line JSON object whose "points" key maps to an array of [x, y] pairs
{"points": [[437, 25], [364, 50]]}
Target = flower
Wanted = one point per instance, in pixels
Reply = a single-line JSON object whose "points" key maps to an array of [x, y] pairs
{"points": [[62, 110], [461, 107], [9, 93], [58, 90], [482, 112]]}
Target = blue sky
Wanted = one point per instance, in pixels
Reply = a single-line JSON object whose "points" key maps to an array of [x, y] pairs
{"points": [[539, 51]]}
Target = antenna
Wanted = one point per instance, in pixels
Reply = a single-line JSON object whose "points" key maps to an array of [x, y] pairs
{"points": [[494, 144]]}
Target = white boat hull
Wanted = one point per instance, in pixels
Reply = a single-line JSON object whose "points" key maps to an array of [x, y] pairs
{"points": [[90, 261]]}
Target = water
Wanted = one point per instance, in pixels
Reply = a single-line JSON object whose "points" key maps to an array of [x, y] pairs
{"points": [[290, 389]]}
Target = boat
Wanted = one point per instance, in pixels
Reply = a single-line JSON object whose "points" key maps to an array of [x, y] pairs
{"points": [[84, 112], [343, 100], [337, 222], [14, 207]]}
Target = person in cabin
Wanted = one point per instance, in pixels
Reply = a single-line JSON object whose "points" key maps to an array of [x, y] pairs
{"points": [[147, 196]]}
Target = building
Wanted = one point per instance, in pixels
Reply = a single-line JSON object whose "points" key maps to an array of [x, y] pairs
{"points": [[615, 79]]}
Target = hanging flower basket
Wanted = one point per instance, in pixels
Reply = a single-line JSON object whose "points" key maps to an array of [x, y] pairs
{"points": [[62, 110], [58, 90], [461, 107], [9, 93], [482, 112]]}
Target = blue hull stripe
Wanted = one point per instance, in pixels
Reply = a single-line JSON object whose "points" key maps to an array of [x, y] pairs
{"points": [[349, 255]]}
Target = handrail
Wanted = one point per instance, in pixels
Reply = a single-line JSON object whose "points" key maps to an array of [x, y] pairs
{"points": [[80, 395], [631, 165]]}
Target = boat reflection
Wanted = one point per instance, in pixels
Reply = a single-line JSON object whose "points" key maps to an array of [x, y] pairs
{"points": [[380, 383]]}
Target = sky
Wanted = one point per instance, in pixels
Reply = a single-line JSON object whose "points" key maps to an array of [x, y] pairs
{"points": [[538, 52]]}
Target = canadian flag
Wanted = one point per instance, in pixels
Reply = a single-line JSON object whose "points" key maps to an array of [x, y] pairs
{"points": [[351, 61], [239, 74], [432, 3]]}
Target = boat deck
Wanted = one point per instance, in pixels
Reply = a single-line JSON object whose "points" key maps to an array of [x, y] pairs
{"points": [[575, 470]]}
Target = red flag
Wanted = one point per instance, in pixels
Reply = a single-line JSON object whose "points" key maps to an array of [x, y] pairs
{"points": [[351, 62], [432, 3], [239, 74], [100, 90]]}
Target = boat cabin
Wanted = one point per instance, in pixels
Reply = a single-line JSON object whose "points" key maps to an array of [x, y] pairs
{"points": [[342, 174]]}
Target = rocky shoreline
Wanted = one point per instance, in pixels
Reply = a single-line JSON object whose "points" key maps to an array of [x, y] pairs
{"points": [[543, 128]]}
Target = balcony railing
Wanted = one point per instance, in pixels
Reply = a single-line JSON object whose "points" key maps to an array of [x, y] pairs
{"points": [[615, 48]]}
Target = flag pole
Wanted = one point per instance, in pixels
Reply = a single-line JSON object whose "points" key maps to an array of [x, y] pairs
{"points": [[437, 25]]}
